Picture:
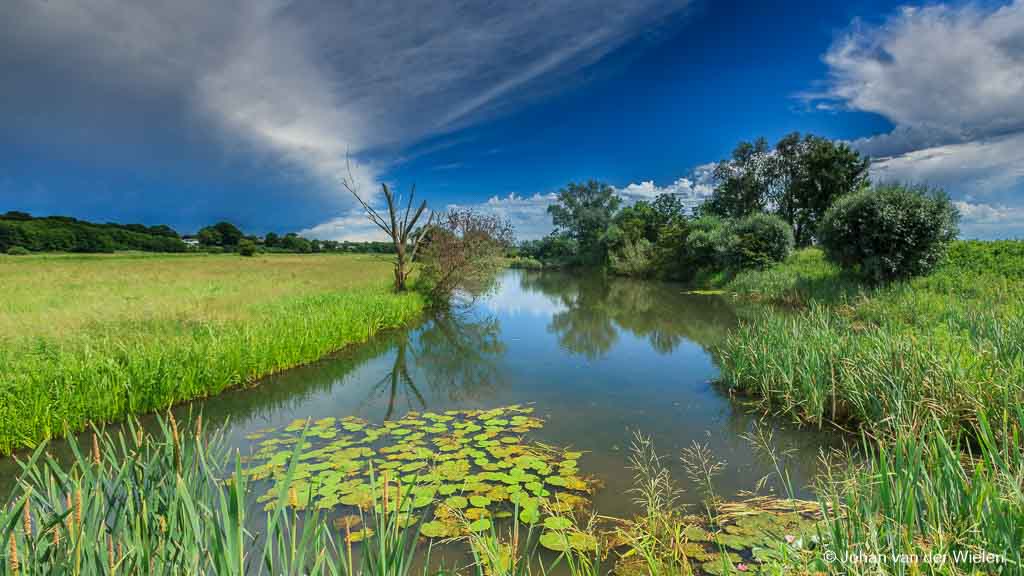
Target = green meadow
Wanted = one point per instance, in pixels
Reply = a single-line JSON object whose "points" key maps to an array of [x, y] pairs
{"points": [[95, 338]]}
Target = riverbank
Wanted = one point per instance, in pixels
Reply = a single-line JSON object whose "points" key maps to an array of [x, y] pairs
{"points": [[929, 371], [97, 338]]}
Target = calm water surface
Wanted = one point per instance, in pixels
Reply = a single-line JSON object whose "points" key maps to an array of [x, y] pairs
{"points": [[598, 357]]}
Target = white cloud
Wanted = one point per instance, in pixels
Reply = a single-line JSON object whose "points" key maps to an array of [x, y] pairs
{"points": [[951, 80], [691, 190], [988, 220], [979, 168], [353, 226], [939, 72], [308, 82]]}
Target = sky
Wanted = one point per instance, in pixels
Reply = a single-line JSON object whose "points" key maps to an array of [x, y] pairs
{"points": [[255, 111]]}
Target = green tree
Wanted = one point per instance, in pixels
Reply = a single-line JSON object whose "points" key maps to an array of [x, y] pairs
{"points": [[246, 247], [809, 174], [270, 240], [742, 183], [584, 212]]}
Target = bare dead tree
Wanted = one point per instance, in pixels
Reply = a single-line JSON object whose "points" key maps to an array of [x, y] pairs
{"points": [[400, 228]]}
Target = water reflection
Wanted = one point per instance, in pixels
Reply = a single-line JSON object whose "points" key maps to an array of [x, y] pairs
{"points": [[455, 354], [599, 358], [595, 308]]}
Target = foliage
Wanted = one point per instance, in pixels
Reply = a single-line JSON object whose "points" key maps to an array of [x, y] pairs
{"points": [[757, 241], [246, 247], [632, 258], [797, 180], [463, 250], [462, 464], [17, 251], [584, 212], [223, 234], [554, 250], [183, 327], [742, 182], [65, 234], [525, 263], [811, 173], [890, 232], [930, 496]]}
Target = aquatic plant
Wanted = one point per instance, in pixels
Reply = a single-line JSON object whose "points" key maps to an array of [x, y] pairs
{"points": [[471, 464]]}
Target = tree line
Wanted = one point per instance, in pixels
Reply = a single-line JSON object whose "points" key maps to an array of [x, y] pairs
{"points": [[804, 191], [22, 233]]}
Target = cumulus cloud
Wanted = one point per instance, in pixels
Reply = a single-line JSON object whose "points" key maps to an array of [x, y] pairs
{"points": [[302, 83], [989, 221], [692, 190], [941, 73], [951, 80]]}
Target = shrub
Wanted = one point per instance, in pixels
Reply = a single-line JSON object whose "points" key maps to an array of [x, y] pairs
{"points": [[17, 251], [632, 258], [247, 247], [757, 241], [889, 232], [525, 263]]}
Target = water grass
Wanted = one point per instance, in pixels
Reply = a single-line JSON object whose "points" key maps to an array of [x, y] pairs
{"points": [[94, 339], [930, 372]]}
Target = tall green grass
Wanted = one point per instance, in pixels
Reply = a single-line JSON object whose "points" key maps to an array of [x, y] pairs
{"points": [[142, 359], [931, 372], [946, 348], [934, 499]]}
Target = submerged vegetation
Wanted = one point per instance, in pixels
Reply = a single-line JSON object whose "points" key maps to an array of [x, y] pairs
{"points": [[133, 334]]}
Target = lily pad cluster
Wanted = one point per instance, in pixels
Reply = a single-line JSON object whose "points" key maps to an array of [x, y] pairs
{"points": [[467, 467], [745, 536]]}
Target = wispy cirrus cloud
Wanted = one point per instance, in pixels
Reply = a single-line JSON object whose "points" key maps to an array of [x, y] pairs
{"points": [[301, 85]]}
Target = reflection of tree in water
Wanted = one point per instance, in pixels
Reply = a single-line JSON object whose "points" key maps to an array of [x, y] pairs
{"points": [[454, 355], [598, 306]]}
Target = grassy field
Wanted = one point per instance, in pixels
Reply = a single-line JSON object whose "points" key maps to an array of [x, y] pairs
{"points": [[94, 338], [930, 371]]}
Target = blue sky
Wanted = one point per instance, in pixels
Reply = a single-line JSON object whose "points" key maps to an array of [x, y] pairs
{"points": [[189, 112]]}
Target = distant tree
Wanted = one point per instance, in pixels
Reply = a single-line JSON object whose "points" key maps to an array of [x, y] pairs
{"points": [[637, 221], [742, 182], [210, 236], [229, 233], [16, 215], [398, 226], [667, 209], [246, 247], [163, 230], [584, 212], [295, 243], [270, 240]]}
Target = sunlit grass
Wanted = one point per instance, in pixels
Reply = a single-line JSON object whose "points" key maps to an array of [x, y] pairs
{"points": [[100, 337], [930, 372]]}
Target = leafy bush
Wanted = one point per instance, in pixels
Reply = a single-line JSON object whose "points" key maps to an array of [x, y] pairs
{"points": [[757, 241], [889, 232], [631, 258], [17, 251], [525, 263], [247, 247]]}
